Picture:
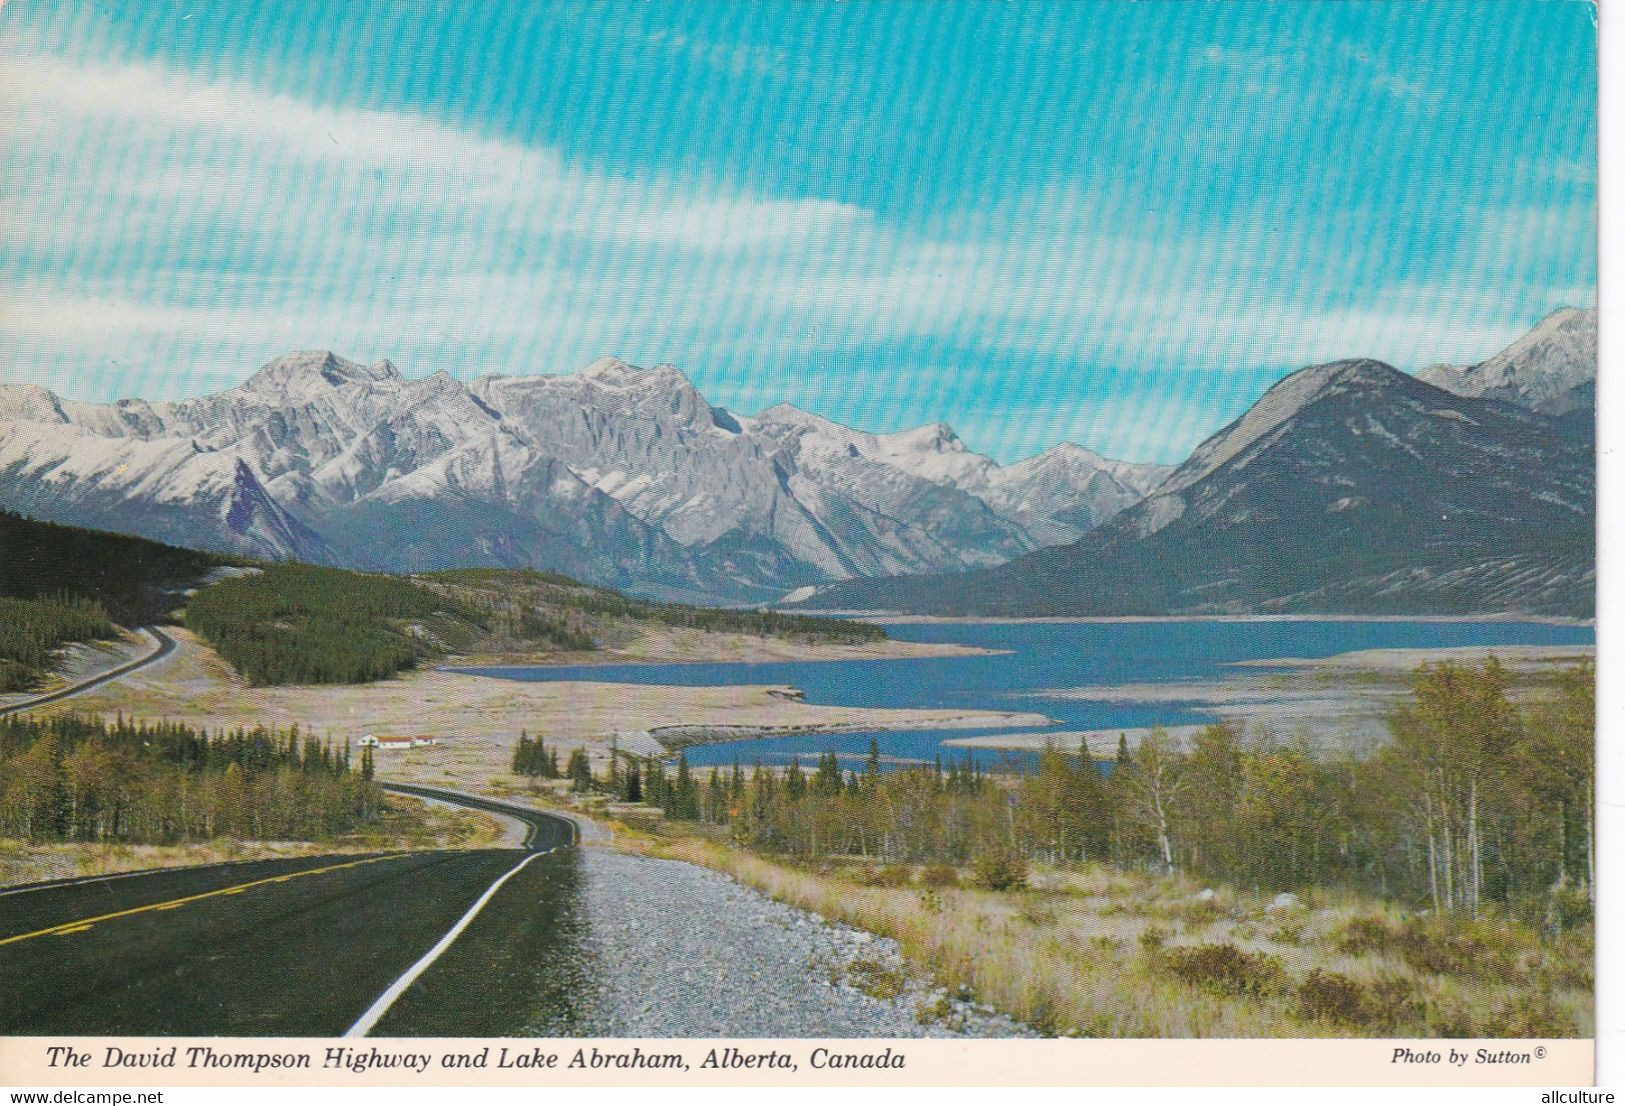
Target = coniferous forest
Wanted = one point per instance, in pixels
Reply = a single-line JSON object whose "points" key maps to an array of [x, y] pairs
{"points": [[291, 623], [62, 584], [31, 629], [136, 581], [1477, 805], [73, 778], [302, 624]]}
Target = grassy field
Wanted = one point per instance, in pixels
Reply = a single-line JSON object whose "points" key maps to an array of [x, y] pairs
{"points": [[406, 823], [1100, 952]]}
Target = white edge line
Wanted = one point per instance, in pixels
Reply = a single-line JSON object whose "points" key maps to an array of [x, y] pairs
{"points": [[378, 1009]]}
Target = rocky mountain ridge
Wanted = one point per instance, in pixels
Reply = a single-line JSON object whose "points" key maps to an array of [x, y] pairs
{"points": [[619, 475], [1349, 487]]}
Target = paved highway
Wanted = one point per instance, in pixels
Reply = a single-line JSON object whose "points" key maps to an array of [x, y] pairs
{"points": [[166, 646], [438, 942]]}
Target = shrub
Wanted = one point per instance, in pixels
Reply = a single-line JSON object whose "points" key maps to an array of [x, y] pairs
{"points": [[1394, 1003], [875, 979], [1360, 935], [892, 875], [1288, 933], [1223, 968], [1036, 914], [1532, 1014], [1461, 948], [940, 875], [887, 875], [1152, 939], [1452, 1020], [1569, 961], [1331, 997], [1196, 913], [938, 1009], [1433, 946], [1569, 908], [1001, 871]]}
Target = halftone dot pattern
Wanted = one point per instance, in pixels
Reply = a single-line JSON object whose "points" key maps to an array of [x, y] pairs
{"points": [[1091, 221], [1106, 223]]}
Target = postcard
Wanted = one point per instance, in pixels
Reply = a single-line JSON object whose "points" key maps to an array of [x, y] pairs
{"points": [[550, 543]]}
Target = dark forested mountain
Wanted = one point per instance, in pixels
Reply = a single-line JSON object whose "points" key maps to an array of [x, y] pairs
{"points": [[1348, 487], [132, 579]]}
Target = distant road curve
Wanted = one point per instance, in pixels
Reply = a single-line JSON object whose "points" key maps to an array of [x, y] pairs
{"points": [[543, 830], [166, 646]]}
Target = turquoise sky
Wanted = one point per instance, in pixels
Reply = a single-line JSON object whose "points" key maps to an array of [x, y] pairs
{"points": [[1113, 223]]}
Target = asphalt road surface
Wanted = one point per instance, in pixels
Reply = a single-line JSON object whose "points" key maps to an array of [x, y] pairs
{"points": [[442, 943], [166, 646]]}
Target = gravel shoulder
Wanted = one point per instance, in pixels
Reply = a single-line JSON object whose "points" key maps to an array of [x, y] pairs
{"points": [[683, 951]]}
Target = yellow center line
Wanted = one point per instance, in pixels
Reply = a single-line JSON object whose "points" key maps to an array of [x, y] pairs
{"points": [[81, 924]]}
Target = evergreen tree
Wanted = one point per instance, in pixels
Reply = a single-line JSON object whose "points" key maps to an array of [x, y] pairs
{"points": [[871, 765], [795, 782], [522, 756], [579, 769], [827, 779], [686, 805], [656, 789], [716, 798]]}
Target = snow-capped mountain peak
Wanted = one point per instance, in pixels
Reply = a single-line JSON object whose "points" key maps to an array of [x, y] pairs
{"points": [[30, 401], [936, 437], [1552, 369], [621, 474], [297, 377], [612, 372]]}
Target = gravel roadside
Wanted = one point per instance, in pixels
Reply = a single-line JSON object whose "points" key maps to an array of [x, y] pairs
{"points": [[687, 952]]}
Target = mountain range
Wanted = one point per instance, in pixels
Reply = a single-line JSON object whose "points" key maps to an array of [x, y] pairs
{"points": [[615, 474], [1348, 487]]}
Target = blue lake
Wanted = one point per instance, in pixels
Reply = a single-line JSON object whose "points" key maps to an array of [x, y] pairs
{"points": [[1035, 657]]}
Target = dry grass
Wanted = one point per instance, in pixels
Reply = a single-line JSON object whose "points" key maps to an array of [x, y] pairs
{"points": [[478, 718], [406, 824], [1101, 952]]}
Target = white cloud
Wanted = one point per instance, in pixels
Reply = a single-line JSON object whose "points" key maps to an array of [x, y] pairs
{"points": [[157, 215]]}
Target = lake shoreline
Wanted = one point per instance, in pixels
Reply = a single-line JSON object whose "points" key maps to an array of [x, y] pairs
{"points": [[1330, 701], [749, 651], [902, 618]]}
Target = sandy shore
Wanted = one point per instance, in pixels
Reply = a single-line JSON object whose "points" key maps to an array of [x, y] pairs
{"points": [[1518, 658], [900, 618], [477, 719], [1338, 701], [672, 645]]}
